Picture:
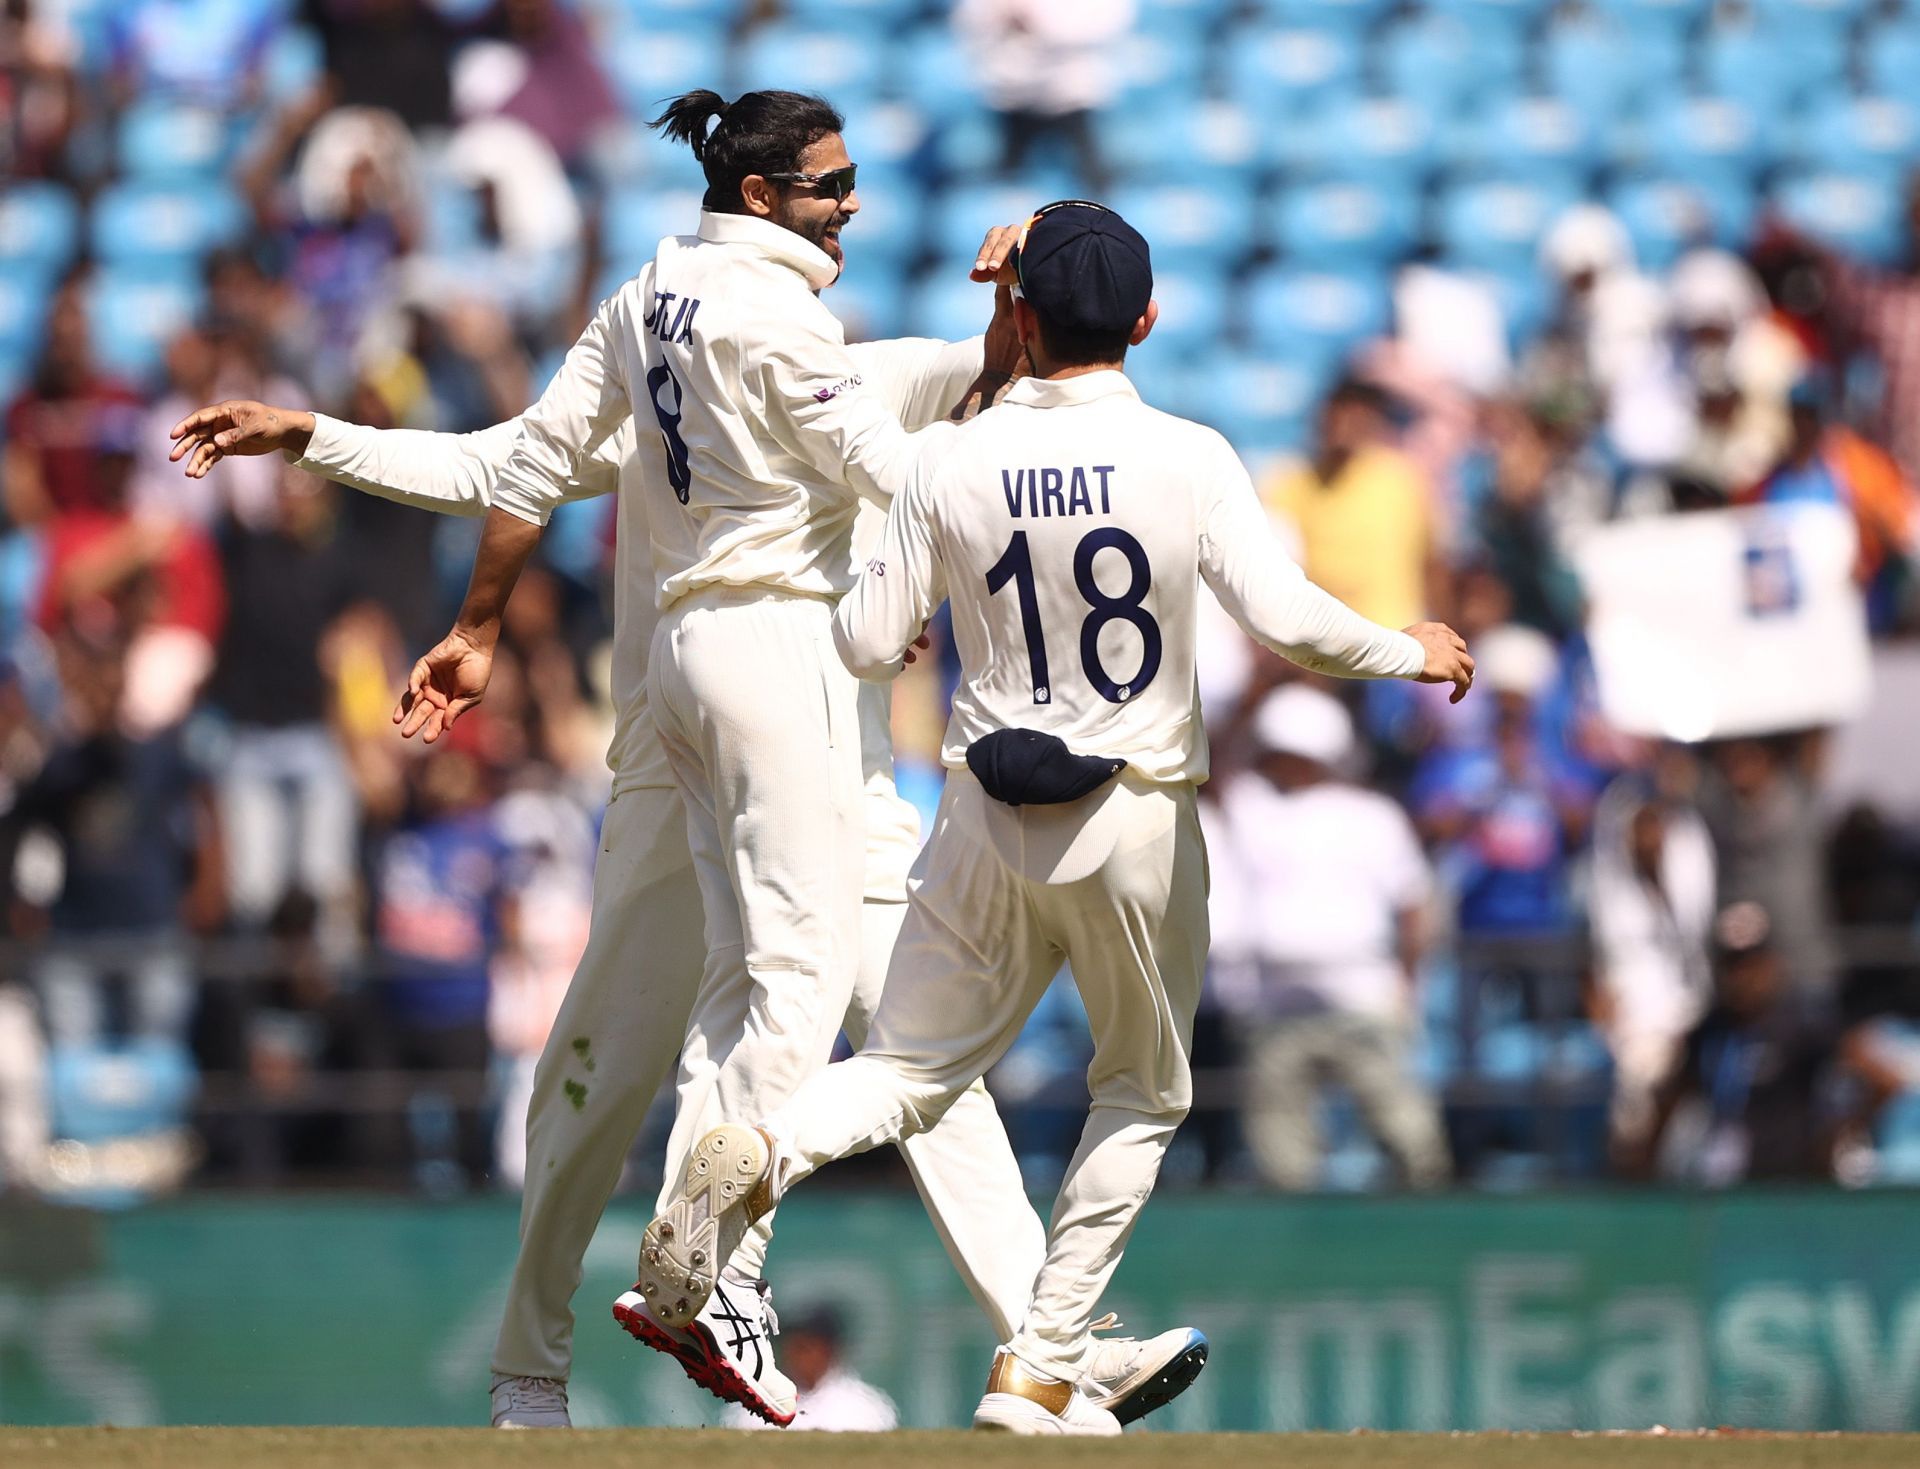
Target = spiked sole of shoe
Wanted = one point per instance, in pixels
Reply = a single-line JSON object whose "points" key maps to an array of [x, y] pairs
{"points": [[1164, 1386], [683, 1250]]}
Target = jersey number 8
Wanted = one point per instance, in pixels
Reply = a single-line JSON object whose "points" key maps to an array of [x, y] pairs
{"points": [[1016, 565]]}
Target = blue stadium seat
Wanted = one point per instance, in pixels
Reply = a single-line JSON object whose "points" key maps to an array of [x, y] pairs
{"points": [[1193, 140], [1189, 224], [99, 1094], [39, 228], [649, 64], [932, 71], [1528, 137], [871, 301], [1691, 135], [1496, 17], [295, 61], [961, 216], [1811, 17], [1339, 222], [1439, 62], [712, 15], [1672, 20], [887, 230], [1160, 17], [1314, 319], [944, 303], [888, 138], [1158, 69], [133, 222], [1601, 67], [1844, 133], [1347, 15], [1193, 309], [1496, 224], [1769, 69], [635, 222], [844, 62], [1264, 402], [1524, 294], [451, 216], [1668, 216], [132, 315], [170, 142], [875, 14], [1290, 68], [1890, 57], [23, 315], [1385, 142], [1857, 213]]}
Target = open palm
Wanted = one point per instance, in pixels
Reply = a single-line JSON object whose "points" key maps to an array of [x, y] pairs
{"points": [[445, 684]]}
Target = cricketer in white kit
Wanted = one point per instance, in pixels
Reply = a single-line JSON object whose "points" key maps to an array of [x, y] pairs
{"points": [[1070, 530], [974, 1195]]}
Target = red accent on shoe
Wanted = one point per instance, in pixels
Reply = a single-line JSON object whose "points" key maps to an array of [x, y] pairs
{"points": [[700, 1357]]}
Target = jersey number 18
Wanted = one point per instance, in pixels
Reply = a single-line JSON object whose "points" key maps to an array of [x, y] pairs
{"points": [[1016, 565]]}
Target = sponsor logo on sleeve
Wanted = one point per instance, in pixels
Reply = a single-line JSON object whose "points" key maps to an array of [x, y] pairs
{"points": [[827, 395]]}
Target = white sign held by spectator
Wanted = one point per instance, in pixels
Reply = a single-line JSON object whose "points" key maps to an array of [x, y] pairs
{"points": [[1727, 622]]}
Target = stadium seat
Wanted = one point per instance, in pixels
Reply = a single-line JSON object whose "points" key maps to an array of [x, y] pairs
{"points": [[1159, 17], [155, 223], [1811, 17], [1528, 137], [635, 222], [1439, 62], [1160, 69], [164, 142], [23, 315], [1193, 140], [1264, 402], [871, 300], [1674, 18], [1289, 68], [39, 228], [961, 216], [1890, 57], [843, 61], [934, 73], [1692, 135], [1343, 222], [1496, 224], [1857, 213], [886, 231], [877, 15], [1768, 69], [713, 15], [1601, 68], [1495, 17], [1346, 15], [1190, 225], [1193, 309], [646, 64], [1314, 318], [1384, 142], [1667, 217], [889, 138], [295, 61], [944, 303], [99, 1095], [132, 315], [1844, 133]]}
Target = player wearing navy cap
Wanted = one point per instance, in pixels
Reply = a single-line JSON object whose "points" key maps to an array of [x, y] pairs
{"points": [[1070, 529]]}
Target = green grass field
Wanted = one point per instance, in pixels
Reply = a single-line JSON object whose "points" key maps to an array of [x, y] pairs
{"points": [[477, 1448]]}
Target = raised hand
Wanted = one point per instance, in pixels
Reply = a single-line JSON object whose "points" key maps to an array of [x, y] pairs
{"points": [[445, 684], [235, 427], [995, 260], [1447, 658]]}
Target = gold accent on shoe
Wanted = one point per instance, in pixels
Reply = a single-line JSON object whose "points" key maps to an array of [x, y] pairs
{"points": [[1011, 1376], [760, 1201]]}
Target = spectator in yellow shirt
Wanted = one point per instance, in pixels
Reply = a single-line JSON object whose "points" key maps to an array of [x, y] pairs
{"points": [[1361, 509]]}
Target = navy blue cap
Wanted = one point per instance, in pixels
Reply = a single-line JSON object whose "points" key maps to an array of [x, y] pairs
{"points": [[1084, 267]]}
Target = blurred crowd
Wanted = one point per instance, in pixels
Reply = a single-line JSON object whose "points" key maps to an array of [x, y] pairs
{"points": [[251, 936]]}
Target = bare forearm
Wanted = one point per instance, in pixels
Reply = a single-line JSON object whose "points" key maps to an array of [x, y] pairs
{"points": [[505, 544]]}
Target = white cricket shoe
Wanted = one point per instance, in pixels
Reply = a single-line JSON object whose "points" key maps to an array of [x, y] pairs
{"points": [[1130, 1378], [529, 1402], [726, 1349], [1019, 1400], [725, 1187]]}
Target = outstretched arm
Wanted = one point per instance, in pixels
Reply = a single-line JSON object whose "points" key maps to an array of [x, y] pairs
{"points": [[879, 621], [1266, 592]]}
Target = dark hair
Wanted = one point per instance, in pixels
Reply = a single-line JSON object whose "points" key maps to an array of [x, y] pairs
{"points": [[1359, 393], [1068, 346], [758, 132]]}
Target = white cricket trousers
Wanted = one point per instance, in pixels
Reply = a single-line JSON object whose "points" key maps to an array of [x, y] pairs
{"points": [[1114, 884], [613, 1044]]}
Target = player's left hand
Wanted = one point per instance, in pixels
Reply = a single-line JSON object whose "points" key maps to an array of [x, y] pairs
{"points": [[923, 642], [445, 684], [1448, 660], [995, 260]]}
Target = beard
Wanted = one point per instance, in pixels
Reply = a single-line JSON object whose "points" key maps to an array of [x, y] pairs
{"points": [[823, 232]]}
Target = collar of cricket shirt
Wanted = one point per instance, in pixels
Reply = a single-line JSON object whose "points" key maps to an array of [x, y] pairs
{"points": [[774, 241], [1044, 392]]}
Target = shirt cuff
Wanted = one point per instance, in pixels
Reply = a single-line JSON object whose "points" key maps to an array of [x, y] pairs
{"points": [[1413, 657], [521, 503], [330, 447]]}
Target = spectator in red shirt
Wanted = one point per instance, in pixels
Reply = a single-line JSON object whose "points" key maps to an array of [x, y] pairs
{"points": [[54, 431]]}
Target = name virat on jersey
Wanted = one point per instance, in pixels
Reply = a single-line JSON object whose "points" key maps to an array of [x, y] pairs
{"points": [[1039, 493]]}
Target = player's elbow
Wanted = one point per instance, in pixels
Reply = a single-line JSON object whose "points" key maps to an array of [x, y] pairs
{"points": [[865, 657]]}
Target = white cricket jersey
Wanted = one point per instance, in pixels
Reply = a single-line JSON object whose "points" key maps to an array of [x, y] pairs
{"points": [[918, 379], [1070, 529], [756, 425]]}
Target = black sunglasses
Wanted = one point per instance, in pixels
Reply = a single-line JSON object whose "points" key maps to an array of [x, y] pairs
{"points": [[838, 183]]}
